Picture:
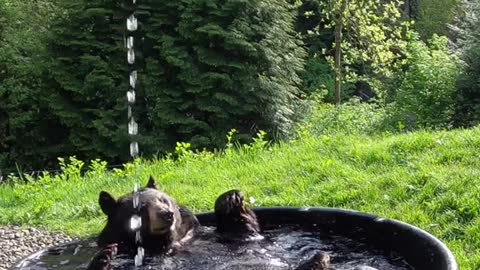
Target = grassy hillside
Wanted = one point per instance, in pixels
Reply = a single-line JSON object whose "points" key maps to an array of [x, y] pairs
{"points": [[431, 180]]}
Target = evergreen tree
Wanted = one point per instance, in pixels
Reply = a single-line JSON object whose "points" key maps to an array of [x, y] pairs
{"points": [[89, 79], [28, 131], [3, 113], [468, 99], [215, 65], [209, 66]]}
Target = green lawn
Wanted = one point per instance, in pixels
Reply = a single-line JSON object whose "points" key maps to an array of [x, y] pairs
{"points": [[431, 180]]}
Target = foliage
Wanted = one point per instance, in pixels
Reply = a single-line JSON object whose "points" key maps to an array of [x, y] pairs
{"points": [[88, 79], [28, 131], [433, 16], [426, 93], [351, 117], [468, 98], [3, 114], [369, 40], [423, 178], [310, 23], [319, 77], [216, 65], [208, 66]]}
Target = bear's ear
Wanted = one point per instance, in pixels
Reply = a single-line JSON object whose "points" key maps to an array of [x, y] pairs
{"points": [[151, 183], [108, 204]]}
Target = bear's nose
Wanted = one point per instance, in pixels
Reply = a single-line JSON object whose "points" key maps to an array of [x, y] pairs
{"points": [[167, 216]]}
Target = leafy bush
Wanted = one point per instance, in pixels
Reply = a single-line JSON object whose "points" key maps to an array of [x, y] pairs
{"points": [[433, 16], [352, 117], [318, 75], [319, 79], [425, 96]]}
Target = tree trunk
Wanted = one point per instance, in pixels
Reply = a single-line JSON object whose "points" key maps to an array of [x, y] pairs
{"points": [[338, 52]]}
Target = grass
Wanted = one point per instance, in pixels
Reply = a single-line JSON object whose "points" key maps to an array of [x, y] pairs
{"points": [[431, 180]]}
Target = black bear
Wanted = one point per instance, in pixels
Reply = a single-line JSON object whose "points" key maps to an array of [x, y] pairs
{"points": [[233, 217], [165, 224]]}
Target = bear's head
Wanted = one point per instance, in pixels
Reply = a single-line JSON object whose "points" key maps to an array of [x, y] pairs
{"points": [[233, 216], [159, 214]]}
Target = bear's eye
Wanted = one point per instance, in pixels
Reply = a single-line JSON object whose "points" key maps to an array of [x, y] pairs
{"points": [[162, 200]]}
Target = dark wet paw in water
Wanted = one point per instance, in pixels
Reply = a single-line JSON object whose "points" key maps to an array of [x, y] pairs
{"points": [[319, 261], [102, 260]]}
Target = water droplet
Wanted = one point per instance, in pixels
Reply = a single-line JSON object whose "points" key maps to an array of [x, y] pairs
{"points": [[136, 200], [135, 187], [133, 78], [132, 23], [138, 237], [129, 110], [139, 256], [132, 127], [135, 223], [134, 149], [131, 56], [130, 42], [131, 96]]}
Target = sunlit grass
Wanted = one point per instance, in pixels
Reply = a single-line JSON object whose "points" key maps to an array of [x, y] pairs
{"points": [[431, 180]]}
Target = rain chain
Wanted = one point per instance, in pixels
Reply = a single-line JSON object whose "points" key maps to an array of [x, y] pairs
{"points": [[135, 220]]}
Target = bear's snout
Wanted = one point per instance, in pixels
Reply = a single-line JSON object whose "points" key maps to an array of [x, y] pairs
{"points": [[166, 215]]}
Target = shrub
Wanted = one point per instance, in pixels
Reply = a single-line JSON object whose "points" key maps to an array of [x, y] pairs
{"points": [[433, 16], [427, 88], [352, 117]]}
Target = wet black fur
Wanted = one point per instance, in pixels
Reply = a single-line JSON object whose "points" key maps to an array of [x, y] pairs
{"points": [[233, 216], [233, 219], [319, 261], [119, 213], [117, 232]]}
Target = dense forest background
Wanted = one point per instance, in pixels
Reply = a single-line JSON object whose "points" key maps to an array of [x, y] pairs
{"points": [[209, 66]]}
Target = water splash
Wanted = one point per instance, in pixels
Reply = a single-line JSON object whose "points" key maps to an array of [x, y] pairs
{"points": [[283, 248], [136, 225], [139, 256]]}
